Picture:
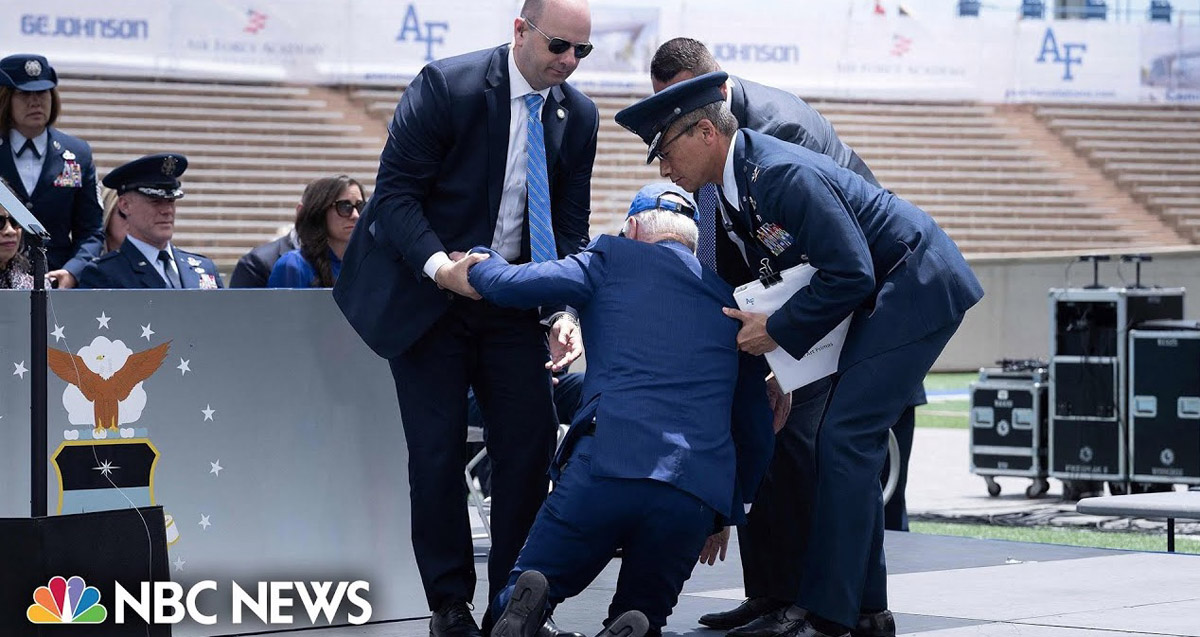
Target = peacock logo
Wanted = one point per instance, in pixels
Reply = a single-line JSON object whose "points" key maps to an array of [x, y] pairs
{"points": [[66, 601]]}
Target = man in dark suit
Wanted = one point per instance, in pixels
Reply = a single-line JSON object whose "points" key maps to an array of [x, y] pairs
{"points": [[651, 460], [254, 268], [50, 171], [487, 148], [147, 189], [772, 541], [880, 260]]}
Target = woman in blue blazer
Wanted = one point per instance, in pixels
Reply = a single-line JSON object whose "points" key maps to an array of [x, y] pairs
{"points": [[50, 171]]}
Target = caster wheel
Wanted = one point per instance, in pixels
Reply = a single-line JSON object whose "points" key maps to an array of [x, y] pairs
{"points": [[993, 487], [1036, 489], [1071, 492]]}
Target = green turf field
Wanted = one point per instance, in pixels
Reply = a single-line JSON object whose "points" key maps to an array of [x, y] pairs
{"points": [[1056, 535]]}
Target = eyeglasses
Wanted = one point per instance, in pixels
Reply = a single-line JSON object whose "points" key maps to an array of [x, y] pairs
{"points": [[6, 220], [345, 207], [558, 46], [660, 153], [683, 208]]}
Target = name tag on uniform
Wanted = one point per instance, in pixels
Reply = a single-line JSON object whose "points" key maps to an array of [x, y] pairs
{"points": [[774, 237]]}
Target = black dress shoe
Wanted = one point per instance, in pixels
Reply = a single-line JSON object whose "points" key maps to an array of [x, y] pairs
{"points": [[631, 623], [453, 619], [551, 629], [808, 630], [746, 612], [881, 624], [777, 623], [524, 615]]}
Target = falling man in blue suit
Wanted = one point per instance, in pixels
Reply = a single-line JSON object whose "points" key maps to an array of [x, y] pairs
{"points": [[881, 261], [652, 463]]}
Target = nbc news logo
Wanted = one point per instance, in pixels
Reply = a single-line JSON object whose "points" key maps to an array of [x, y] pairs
{"points": [[66, 601]]}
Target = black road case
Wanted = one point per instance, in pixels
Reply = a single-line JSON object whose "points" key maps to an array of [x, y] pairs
{"points": [[1164, 398], [1008, 425]]}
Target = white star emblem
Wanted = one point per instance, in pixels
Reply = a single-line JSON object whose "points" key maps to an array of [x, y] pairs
{"points": [[147, 332], [204, 521], [58, 333], [106, 468], [183, 367], [179, 562], [103, 319], [20, 369], [208, 411], [216, 468]]}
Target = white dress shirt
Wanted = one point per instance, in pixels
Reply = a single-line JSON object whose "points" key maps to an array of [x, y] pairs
{"points": [[510, 222], [29, 166], [151, 254]]}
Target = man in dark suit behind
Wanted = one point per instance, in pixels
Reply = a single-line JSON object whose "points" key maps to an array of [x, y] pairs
{"points": [[254, 268], [488, 148], [651, 460], [880, 260]]}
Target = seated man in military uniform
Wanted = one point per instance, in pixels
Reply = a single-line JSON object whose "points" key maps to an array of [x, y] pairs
{"points": [[147, 189]]}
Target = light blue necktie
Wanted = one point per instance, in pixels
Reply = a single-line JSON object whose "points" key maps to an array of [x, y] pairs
{"points": [[537, 185], [706, 245]]}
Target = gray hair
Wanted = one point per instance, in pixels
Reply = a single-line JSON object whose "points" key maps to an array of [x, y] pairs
{"points": [[718, 113], [659, 224]]}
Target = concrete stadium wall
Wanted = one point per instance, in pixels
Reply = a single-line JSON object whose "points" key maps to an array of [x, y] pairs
{"points": [[1013, 319]]}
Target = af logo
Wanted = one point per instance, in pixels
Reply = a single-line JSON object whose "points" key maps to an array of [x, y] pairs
{"points": [[1167, 457], [1067, 54], [1086, 454], [421, 31]]}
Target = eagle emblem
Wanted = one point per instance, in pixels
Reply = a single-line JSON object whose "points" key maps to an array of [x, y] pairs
{"points": [[105, 380]]}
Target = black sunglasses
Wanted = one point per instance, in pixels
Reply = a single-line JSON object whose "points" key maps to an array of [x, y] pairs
{"points": [[345, 207], [6, 220], [660, 152], [558, 46]]}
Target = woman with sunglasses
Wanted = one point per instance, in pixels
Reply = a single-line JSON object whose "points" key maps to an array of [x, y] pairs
{"points": [[14, 268], [325, 217], [50, 171]]}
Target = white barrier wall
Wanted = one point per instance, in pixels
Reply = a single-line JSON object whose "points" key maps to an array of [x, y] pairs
{"points": [[832, 49]]}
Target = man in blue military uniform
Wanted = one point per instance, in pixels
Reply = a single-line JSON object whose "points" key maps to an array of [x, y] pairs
{"points": [[147, 189], [651, 461], [772, 541], [880, 260], [50, 171]]}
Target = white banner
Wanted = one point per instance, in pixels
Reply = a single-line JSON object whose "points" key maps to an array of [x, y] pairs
{"points": [[832, 49]]}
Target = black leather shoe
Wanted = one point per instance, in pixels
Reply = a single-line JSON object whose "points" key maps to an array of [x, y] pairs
{"points": [[881, 624], [550, 629], [453, 619], [777, 623], [746, 612], [524, 614], [631, 623], [808, 630]]}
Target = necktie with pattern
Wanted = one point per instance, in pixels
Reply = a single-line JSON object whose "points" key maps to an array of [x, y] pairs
{"points": [[537, 185], [706, 245]]}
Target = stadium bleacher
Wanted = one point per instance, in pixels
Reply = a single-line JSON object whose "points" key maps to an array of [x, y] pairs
{"points": [[990, 178]]}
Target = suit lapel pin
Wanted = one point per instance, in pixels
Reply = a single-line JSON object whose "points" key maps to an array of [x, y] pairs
{"points": [[561, 113], [141, 263], [57, 146], [193, 261], [68, 155]]}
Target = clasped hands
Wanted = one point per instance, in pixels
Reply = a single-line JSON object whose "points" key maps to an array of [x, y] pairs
{"points": [[566, 344]]}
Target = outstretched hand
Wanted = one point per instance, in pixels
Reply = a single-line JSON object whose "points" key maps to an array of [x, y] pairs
{"points": [[752, 338], [453, 276], [566, 344]]}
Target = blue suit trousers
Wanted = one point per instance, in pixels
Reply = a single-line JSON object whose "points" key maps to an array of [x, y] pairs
{"points": [[844, 566], [660, 529]]}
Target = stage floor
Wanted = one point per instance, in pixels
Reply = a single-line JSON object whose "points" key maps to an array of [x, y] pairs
{"points": [[942, 587]]}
